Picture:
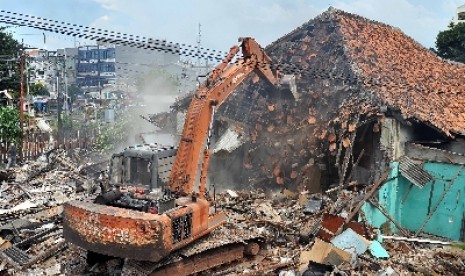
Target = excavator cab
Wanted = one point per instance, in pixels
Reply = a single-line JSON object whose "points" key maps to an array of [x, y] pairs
{"points": [[133, 217], [144, 167], [138, 176]]}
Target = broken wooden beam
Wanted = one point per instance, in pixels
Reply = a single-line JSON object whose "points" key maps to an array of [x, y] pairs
{"points": [[383, 211], [373, 189]]}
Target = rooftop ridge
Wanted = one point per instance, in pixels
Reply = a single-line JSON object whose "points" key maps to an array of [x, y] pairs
{"points": [[343, 13], [390, 65]]}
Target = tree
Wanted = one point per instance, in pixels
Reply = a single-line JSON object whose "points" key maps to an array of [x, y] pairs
{"points": [[9, 68], [116, 135], [38, 89], [9, 124], [450, 43]]}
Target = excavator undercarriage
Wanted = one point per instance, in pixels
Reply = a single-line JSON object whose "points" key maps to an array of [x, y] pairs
{"points": [[224, 246]]}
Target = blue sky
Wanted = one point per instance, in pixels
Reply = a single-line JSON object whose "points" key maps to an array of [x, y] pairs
{"points": [[223, 21]]}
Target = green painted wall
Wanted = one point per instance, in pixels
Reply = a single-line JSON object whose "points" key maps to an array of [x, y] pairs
{"points": [[409, 205]]}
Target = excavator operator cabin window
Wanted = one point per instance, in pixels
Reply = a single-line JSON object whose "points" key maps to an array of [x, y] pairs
{"points": [[138, 171], [116, 170]]}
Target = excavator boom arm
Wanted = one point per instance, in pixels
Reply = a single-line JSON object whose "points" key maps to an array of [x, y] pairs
{"points": [[210, 95]]}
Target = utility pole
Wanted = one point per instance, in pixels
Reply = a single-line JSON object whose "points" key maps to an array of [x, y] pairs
{"points": [[45, 41], [98, 74], [28, 80], [66, 84], [21, 99], [59, 102]]}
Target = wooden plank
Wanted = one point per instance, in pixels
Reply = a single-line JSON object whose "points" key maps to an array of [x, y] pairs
{"points": [[369, 194], [383, 211], [373, 188]]}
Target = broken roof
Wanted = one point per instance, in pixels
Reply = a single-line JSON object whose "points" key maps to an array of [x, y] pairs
{"points": [[404, 74], [393, 68]]}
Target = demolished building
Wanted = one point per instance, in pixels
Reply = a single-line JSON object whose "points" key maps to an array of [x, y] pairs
{"points": [[367, 97], [367, 109]]}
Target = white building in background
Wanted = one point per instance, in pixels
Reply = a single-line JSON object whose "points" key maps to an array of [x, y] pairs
{"points": [[37, 66], [460, 15]]}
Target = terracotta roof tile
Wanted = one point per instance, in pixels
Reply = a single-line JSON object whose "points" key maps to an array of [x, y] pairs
{"points": [[404, 74]]}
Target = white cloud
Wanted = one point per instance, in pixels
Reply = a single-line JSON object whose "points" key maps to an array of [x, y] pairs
{"points": [[112, 5], [101, 20], [222, 22]]}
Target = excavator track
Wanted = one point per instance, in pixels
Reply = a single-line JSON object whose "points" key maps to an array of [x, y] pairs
{"points": [[224, 245]]}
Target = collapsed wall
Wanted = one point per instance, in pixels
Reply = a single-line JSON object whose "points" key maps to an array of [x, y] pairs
{"points": [[286, 135]]}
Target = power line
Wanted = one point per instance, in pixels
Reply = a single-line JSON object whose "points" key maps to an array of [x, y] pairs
{"points": [[105, 36], [123, 39], [113, 33], [142, 42]]}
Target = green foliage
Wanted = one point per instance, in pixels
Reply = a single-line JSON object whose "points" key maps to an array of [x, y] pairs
{"points": [[450, 43], [69, 124], [67, 121], [38, 89], [9, 71], [114, 135], [460, 246], [9, 124]]}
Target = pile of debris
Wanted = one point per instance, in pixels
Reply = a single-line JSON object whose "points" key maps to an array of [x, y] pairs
{"points": [[303, 233], [298, 233], [31, 200]]}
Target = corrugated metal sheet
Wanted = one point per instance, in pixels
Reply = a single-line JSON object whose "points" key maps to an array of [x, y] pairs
{"points": [[413, 172]]}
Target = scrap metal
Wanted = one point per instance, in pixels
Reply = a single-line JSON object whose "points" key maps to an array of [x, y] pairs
{"points": [[413, 172]]}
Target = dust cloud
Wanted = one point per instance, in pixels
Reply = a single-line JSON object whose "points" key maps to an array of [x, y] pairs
{"points": [[156, 92]]}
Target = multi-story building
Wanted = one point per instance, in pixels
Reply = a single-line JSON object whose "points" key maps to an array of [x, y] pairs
{"points": [[44, 67], [54, 69], [95, 66], [134, 61], [37, 66], [103, 71], [109, 65]]}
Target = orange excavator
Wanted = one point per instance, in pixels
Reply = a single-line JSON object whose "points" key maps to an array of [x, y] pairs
{"points": [[147, 215]]}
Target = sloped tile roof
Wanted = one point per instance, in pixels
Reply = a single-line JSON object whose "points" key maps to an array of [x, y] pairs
{"points": [[403, 74]]}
